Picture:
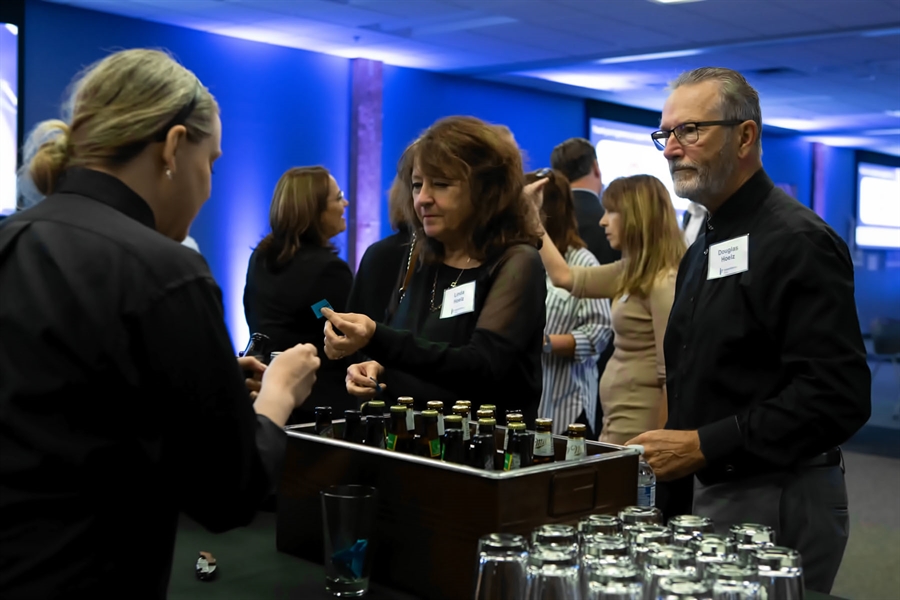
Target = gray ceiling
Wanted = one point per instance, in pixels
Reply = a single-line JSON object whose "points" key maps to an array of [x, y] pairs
{"points": [[828, 68]]}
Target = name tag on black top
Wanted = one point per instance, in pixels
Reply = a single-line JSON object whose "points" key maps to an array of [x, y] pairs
{"points": [[729, 258]]}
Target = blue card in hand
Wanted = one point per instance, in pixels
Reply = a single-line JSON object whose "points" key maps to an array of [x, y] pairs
{"points": [[318, 306]]}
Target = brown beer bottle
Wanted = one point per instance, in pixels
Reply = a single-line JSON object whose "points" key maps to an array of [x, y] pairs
{"points": [[324, 428], [375, 431], [576, 449], [484, 447], [517, 454], [511, 418], [353, 427], [439, 407], [399, 438], [429, 442], [543, 442], [463, 413], [409, 404], [454, 450]]}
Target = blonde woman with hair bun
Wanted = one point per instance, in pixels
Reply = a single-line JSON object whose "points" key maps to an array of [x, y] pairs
{"points": [[639, 221], [121, 402]]}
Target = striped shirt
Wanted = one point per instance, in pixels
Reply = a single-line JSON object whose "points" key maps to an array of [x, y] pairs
{"points": [[570, 384]]}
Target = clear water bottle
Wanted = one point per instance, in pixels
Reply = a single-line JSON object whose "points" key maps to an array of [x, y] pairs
{"points": [[646, 495]]}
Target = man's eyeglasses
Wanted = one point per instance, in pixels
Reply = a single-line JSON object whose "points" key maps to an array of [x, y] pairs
{"points": [[687, 133]]}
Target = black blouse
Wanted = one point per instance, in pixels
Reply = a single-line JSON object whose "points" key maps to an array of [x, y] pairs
{"points": [[278, 302], [489, 356]]}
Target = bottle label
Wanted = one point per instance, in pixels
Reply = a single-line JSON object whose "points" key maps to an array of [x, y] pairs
{"points": [[505, 439], [410, 420], [391, 442], [440, 424], [465, 428], [434, 447], [543, 444], [512, 461], [646, 495], [575, 450]]}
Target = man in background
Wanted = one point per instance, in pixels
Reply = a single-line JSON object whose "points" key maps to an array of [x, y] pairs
{"points": [[576, 158]]}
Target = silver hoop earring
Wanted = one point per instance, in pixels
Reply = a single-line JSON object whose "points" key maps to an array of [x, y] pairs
{"points": [[169, 173]]}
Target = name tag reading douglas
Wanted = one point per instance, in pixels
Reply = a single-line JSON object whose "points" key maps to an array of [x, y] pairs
{"points": [[729, 258], [458, 300]]}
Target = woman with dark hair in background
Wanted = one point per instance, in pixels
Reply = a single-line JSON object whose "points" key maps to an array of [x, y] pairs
{"points": [[294, 267], [384, 262], [640, 221], [469, 323], [577, 329]]}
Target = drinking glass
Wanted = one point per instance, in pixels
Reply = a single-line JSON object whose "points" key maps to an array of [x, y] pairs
{"points": [[348, 519], [780, 572], [732, 582], [502, 567], [605, 524], [553, 573]]}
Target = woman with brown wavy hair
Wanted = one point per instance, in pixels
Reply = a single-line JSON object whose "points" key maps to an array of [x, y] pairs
{"points": [[295, 266], [469, 321], [640, 221]]}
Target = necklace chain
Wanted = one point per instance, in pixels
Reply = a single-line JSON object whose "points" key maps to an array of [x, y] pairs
{"points": [[452, 285]]}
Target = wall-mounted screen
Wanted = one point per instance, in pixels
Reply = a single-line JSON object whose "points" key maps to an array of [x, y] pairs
{"points": [[9, 104], [624, 149], [878, 206]]}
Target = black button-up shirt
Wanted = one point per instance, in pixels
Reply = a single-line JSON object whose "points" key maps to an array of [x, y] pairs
{"points": [[768, 364], [121, 402]]}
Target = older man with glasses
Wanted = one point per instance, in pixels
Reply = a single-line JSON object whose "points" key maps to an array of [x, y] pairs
{"points": [[765, 362]]}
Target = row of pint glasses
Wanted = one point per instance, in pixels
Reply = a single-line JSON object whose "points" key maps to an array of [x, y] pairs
{"points": [[633, 556]]}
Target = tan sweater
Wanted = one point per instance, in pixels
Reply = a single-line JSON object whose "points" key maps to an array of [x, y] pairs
{"points": [[632, 388]]}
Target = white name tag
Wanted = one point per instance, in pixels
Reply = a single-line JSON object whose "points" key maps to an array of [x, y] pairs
{"points": [[459, 300], [729, 258]]}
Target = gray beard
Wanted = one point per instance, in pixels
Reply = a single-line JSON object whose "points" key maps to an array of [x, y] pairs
{"points": [[708, 182]]}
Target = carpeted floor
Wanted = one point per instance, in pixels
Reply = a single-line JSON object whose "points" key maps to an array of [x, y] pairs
{"points": [[871, 567]]}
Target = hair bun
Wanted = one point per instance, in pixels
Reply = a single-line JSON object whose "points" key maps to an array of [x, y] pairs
{"points": [[46, 154]]}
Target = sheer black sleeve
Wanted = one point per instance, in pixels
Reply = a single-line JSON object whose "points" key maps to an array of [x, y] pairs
{"points": [[513, 308]]}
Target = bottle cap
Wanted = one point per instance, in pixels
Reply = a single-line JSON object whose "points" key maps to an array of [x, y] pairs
{"points": [[637, 447], [432, 414], [516, 427], [487, 421], [453, 422], [405, 400], [544, 422], [515, 417], [398, 408]]}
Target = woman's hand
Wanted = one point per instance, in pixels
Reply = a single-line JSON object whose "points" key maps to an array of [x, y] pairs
{"points": [[249, 364], [357, 329], [362, 379], [534, 192]]}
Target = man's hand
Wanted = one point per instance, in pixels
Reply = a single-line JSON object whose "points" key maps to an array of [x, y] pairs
{"points": [[671, 454], [249, 364], [287, 382], [357, 330], [362, 379]]}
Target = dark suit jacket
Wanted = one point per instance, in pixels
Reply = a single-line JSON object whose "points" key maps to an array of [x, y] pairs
{"points": [[588, 212]]}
